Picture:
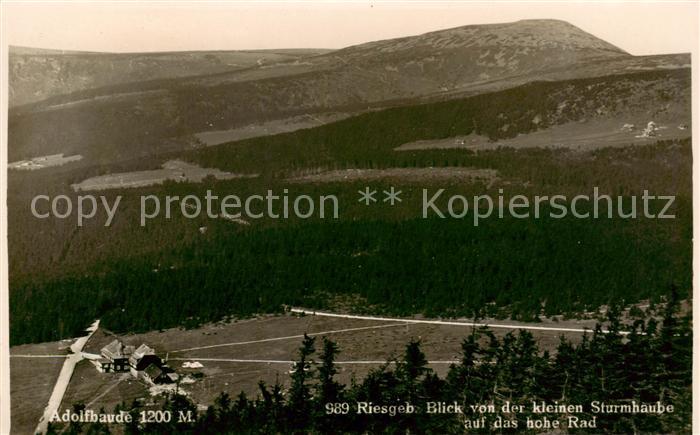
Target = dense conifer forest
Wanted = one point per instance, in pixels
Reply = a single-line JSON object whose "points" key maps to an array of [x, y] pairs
{"points": [[395, 261], [501, 268]]}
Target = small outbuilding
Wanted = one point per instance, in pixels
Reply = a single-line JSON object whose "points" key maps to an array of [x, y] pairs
{"points": [[158, 375], [141, 358]]}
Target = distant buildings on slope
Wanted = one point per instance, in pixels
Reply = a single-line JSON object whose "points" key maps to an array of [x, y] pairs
{"points": [[142, 362]]}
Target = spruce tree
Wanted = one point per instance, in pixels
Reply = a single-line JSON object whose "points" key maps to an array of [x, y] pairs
{"points": [[299, 404]]}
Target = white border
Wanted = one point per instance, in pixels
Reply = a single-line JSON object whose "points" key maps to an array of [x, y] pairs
{"points": [[4, 302], [4, 284]]}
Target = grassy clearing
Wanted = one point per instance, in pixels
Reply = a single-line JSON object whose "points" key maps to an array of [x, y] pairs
{"points": [[31, 383]]}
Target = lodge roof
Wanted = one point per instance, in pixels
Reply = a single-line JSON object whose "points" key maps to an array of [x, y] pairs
{"points": [[142, 351], [153, 371], [116, 350]]}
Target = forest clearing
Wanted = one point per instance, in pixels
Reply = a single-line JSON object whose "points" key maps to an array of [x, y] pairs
{"points": [[234, 356]]}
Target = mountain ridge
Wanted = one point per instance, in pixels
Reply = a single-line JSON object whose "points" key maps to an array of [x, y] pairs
{"points": [[453, 63], [507, 46]]}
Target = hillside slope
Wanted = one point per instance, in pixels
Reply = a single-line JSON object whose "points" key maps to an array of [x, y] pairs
{"points": [[144, 118], [38, 74], [504, 262]]}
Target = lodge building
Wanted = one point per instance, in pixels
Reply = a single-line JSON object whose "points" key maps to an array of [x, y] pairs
{"points": [[141, 362]]}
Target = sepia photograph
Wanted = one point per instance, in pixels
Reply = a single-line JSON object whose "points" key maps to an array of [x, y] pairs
{"points": [[347, 217]]}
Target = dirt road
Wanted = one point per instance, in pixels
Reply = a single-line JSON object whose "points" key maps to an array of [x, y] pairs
{"points": [[447, 322], [290, 362], [64, 378]]}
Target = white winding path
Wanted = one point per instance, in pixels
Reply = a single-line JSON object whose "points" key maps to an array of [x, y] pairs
{"points": [[278, 361], [446, 322], [64, 378]]}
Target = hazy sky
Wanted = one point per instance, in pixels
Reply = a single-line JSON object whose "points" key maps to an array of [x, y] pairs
{"points": [[639, 28]]}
